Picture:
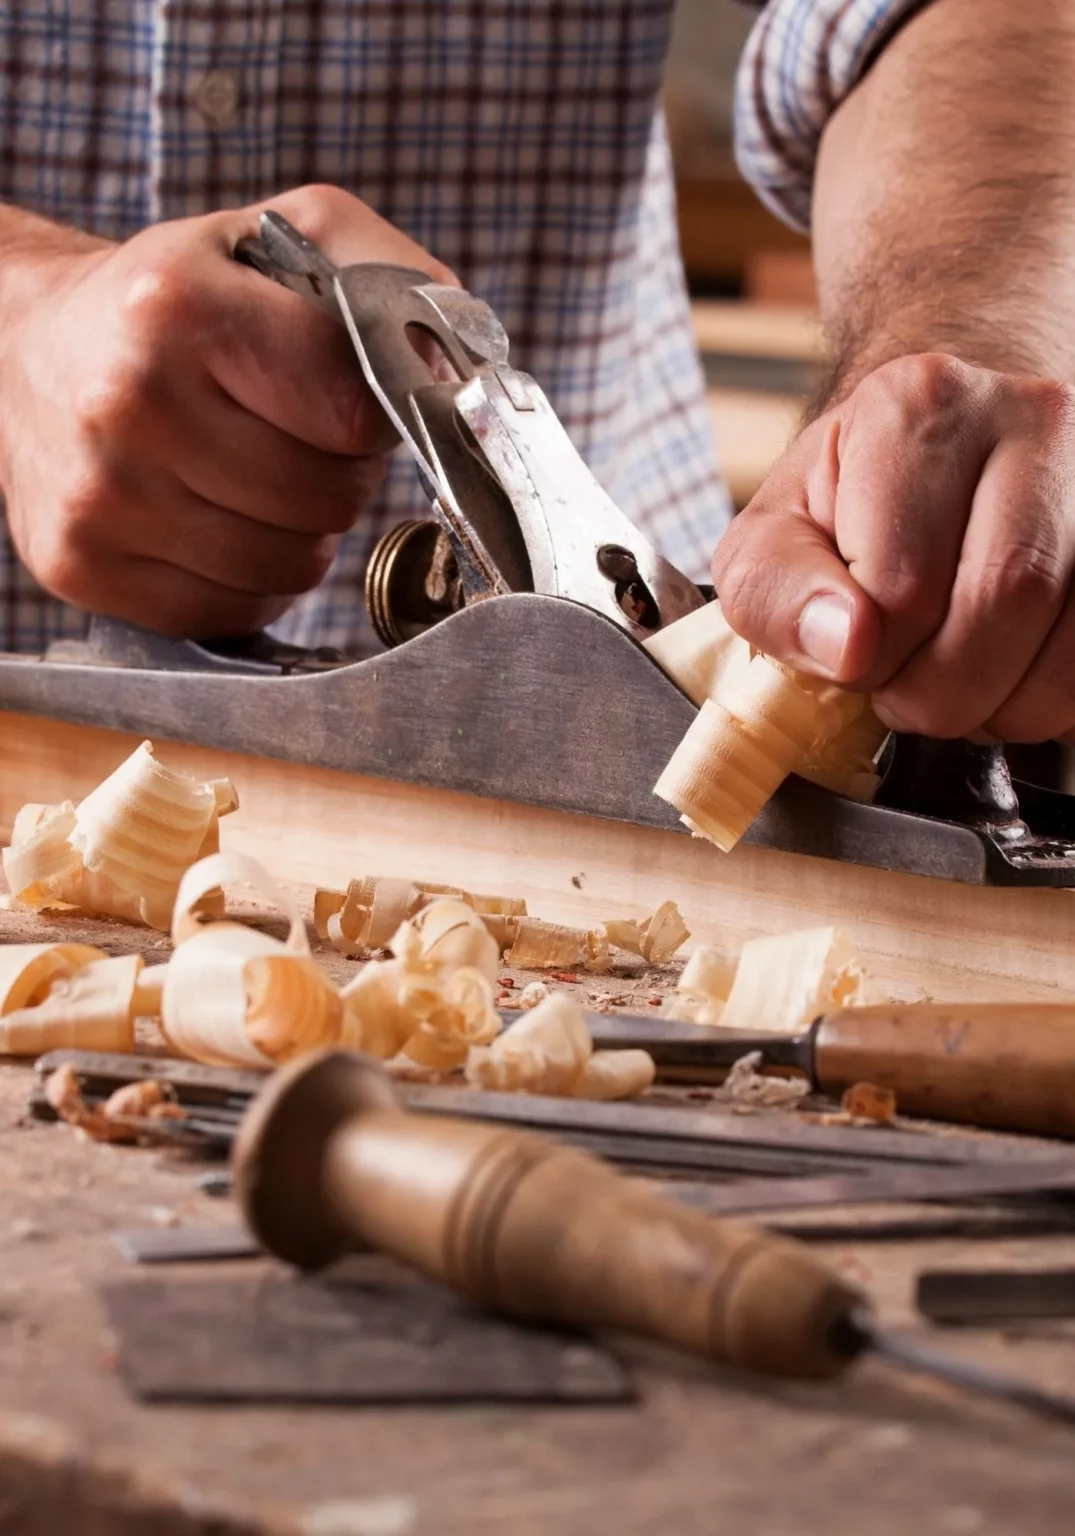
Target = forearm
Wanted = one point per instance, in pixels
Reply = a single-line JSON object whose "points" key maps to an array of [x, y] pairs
{"points": [[944, 202]]}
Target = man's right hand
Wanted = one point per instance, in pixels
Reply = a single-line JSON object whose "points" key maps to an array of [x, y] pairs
{"points": [[182, 441]]}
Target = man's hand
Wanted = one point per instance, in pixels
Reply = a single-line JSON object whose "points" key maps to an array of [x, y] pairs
{"points": [[182, 441], [918, 540]]}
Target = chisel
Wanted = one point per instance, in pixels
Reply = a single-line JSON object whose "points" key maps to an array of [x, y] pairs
{"points": [[328, 1163], [1005, 1066]]}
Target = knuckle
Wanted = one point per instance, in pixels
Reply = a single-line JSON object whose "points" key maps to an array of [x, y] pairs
{"points": [[109, 406], [58, 563], [1024, 577], [930, 380], [322, 208], [160, 301], [325, 210], [922, 399], [88, 504], [322, 194], [1050, 404], [909, 593]]}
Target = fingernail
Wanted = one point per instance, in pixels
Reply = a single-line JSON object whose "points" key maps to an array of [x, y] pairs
{"points": [[824, 628]]}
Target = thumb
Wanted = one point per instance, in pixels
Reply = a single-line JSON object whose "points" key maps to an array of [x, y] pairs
{"points": [[783, 586]]}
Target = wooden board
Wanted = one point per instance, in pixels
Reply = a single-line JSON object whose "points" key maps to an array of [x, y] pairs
{"points": [[752, 431], [757, 330], [314, 826]]}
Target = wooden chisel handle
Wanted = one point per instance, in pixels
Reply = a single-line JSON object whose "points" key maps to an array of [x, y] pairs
{"points": [[1008, 1066], [326, 1163]]}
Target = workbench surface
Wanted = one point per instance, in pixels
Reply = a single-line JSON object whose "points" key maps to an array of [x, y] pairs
{"points": [[705, 1450]]}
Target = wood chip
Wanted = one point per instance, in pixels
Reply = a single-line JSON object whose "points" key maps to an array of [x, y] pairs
{"points": [[865, 1101]]}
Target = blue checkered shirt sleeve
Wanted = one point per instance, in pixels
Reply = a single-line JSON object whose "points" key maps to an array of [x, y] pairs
{"points": [[802, 59]]}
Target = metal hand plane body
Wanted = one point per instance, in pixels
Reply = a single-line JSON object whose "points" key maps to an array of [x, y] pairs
{"points": [[519, 508], [513, 618]]}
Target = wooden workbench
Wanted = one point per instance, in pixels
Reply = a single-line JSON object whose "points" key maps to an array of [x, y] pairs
{"points": [[704, 1451]]}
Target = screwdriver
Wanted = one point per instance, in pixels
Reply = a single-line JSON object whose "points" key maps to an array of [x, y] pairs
{"points": [[326, 1163], [1004, 1066]]}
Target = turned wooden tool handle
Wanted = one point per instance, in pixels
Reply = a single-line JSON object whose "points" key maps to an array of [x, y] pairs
{"points": [[1008, 1066], [527, 1226]]}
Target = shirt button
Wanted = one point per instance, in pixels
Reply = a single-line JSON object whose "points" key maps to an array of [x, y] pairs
{"points": [[216, 97]]}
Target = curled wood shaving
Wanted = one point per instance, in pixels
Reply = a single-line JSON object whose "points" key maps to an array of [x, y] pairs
{"points": [[82, 1000], [28, 971], [449, 933], [697, 650], [40, 855], [704, 986], [758, 721], [233, 996], [540, 946], [549, 1051], [779, 983], [615, 1075], [214, 873], [783, 982], [365, 916], [461, 1015], [149, 991], [846, 765], [122, 851], [655, 938], [122, 1115], [434, 999]]}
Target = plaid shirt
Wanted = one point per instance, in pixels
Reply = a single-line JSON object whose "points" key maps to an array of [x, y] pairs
{"points": [[802, 59], [519, 140]]}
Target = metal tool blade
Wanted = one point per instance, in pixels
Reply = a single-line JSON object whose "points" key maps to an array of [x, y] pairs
{"points": [[185, 1245], [290, 259], [638, 1133], [916, 1355], [983, 1182], [683, 1051]]}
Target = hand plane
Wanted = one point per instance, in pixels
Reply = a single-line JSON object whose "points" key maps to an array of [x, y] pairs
{"points": [[513, 618]]}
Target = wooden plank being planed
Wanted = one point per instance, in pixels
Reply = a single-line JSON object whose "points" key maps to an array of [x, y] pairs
{"points": [[314, 826]]}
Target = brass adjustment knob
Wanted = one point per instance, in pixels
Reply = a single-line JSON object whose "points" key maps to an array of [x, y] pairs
{"points": [[412, 581]]}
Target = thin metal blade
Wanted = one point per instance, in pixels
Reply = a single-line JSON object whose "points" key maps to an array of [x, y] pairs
{"points": [[915, 1355]]}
